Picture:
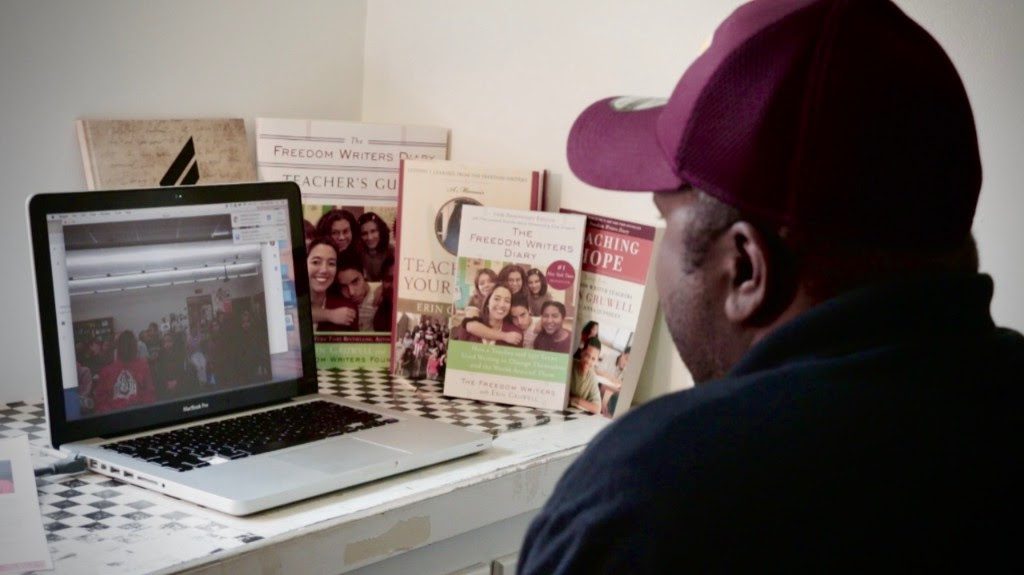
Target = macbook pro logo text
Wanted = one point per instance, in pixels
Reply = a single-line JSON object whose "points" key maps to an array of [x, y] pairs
{"points": [[195, 407]]}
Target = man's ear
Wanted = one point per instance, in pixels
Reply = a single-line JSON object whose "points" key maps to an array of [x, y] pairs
{"points": [[748, 268]]}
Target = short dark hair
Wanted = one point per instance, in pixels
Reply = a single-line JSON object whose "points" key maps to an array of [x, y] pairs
{"points": [[824, 266], [519, 299], [555, 304], [711, 217], [127, 347], [349, 260], [592, 342]]}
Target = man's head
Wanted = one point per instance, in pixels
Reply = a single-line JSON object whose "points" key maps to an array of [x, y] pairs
{"points": [[589, 354], [521, 312], [552, 314], [350, 277], [814, 147]]}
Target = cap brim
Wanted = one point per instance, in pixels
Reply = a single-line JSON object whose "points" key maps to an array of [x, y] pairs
{"points": [[615, 148]]}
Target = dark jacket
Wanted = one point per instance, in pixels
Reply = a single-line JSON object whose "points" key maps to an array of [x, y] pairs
{"points": [[876, 431]]}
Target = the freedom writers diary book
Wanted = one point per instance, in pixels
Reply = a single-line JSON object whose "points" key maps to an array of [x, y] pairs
{"points": [[119, 154], [618, 305], [499, 351], [431, 200], [348, 173]]}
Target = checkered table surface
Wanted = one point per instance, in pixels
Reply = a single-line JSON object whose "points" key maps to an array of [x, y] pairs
{"points": [[90, 509], [424, 398]]}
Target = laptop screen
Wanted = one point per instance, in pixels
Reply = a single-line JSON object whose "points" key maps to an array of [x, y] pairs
{"points": [[173, 311]]}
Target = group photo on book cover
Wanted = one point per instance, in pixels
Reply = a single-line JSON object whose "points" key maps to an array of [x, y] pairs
{"points": [[350, 258], [349, 176], [500, 351], [432, 201], [513, 307]]}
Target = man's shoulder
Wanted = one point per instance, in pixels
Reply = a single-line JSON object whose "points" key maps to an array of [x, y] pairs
{"points": [[629, 490], [675, 424]]}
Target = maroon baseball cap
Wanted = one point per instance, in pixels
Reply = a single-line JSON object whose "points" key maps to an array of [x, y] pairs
{"points": [[841, 117]]}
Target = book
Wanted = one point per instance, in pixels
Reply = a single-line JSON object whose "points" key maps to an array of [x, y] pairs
{"points": [[348, 173], [618, 304], [431, 199], [498, 351], [22, 539], [120, 154]]}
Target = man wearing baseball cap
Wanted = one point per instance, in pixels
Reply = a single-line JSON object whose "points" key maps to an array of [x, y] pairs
{"points": [[817, 168]]}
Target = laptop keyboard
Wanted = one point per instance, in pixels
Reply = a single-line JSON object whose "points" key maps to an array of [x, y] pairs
{"points": [[194, 447]]}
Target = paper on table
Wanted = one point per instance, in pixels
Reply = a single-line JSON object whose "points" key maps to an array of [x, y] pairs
{"points": [[22, 543]]}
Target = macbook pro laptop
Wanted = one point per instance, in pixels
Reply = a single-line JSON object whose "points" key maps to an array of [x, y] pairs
{"points": [[177, 347]]}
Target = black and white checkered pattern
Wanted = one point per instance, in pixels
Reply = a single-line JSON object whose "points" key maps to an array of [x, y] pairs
{"points": [[21, 418], [93, 506], [90, 509], [425, 399]]}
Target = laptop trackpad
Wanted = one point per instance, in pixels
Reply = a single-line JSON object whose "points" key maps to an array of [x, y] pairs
{"points": [[339, 455]]}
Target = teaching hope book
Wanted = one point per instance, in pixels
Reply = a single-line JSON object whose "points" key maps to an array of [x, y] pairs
{"points": [[348, 173], [431, 199], [618, 299], [496, 365]]}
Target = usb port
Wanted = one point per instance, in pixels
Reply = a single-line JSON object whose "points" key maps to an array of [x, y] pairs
{"points": [[114, 469], [129, 474]]}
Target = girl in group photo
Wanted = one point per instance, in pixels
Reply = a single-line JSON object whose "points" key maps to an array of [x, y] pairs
{"points": [[483, 283], [536, 290], [331, 312], [340, 226], [376, 247], [496, 314], [513, 277], [590, 330]]}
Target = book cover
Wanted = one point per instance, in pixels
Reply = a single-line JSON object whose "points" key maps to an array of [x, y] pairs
{"points": [[498, 350], [618, 305], [119, 154], [431, 199], [348, 173]]}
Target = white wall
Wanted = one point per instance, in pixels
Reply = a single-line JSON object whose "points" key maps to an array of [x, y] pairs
{"points": [[509, 78], [65, 59]]}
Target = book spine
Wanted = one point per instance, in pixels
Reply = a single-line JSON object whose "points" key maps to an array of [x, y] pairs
{"points": [[393, 361], [85, 146]]}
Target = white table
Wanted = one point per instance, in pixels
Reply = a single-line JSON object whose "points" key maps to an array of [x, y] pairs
{"points": [[434, 520]]}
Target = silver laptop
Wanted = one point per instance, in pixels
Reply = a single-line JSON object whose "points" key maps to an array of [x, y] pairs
{"points": [[178, 353]]}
